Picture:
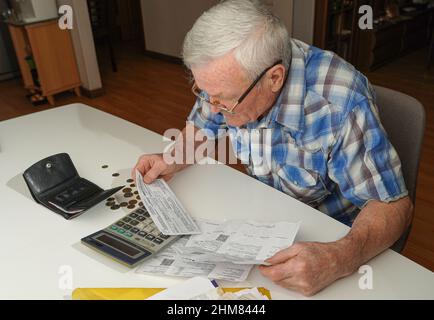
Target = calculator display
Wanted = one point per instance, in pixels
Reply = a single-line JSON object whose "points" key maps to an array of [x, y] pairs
{"points": [[118, 245]]}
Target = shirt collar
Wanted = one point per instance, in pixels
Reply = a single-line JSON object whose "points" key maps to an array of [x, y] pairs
{"points": [[291, 101]]}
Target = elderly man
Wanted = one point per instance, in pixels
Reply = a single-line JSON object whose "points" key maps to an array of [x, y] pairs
{"points": [[327, 147]]}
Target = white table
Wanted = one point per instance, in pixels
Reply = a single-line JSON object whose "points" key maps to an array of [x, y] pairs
{"points": [[36, 243]]}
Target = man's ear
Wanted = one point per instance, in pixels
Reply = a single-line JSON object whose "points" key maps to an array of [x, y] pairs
{"points": [[277, 76]]}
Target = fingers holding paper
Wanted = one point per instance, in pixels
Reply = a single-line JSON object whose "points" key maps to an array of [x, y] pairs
{"points": [[153, 166], [305, 267]]}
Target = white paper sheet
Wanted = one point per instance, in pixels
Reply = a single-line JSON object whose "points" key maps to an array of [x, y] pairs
{"points": [[255, 242], [199, 288], [225, 251], [185, 290], [242, 242], [214, 235], [169, 262], [166, 211]]}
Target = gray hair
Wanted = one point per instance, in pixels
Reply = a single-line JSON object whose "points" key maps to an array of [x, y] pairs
{"points": [[257, 38]]}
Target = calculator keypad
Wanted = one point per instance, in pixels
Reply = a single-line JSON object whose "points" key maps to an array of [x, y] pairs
{"points": [[139, 228]]}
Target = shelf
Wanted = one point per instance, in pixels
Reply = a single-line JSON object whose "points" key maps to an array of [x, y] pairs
{"points": [[336, 27]]}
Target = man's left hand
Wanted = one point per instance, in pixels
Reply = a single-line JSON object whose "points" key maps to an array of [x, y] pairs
{"points": [[305, 267]]}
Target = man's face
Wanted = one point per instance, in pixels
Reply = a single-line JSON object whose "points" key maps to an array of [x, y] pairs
{"points": [[225, 81]]}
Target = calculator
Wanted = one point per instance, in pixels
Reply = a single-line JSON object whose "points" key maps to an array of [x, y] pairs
{"points": [[130, 240]]}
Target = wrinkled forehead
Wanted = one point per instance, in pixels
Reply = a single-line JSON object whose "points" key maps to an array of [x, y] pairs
{"points": [[220, 76]]}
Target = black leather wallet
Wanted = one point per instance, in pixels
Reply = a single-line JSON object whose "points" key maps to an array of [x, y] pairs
{"points": [[54, 182]]}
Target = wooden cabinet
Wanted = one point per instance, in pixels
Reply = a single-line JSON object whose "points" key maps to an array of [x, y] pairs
{"points": [[53, 55], [396, 31], [393, 39]]}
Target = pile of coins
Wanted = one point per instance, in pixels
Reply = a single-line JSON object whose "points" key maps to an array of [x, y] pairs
{"points": [[130, 195]]}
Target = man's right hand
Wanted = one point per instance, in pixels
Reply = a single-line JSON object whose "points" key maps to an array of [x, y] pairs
{"points": [[153, 166]]}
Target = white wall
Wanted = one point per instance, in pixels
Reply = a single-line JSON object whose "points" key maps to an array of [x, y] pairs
{"points": [[166, 22], [304, 19]]}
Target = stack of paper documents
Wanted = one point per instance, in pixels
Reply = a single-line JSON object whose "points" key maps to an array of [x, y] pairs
{"points": [[171, 263], [218, 250], [225, 251], [241, 242]]}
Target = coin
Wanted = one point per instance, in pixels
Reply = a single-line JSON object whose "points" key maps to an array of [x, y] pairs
{"points": [[132, 201], [104, 166], [136, 192], [115, 207], [126, 190], [128, 195], [131, 206], [138, 197], [115, 174], [123, 204], [111, 199], [110, 203], [130, 180], [141, 203], [132, 185]]}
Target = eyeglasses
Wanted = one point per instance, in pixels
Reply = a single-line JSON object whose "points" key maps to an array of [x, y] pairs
{"points": [[196, 91]]}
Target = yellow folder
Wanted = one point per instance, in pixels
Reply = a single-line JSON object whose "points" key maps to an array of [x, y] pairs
{"points": [[133, 293]]}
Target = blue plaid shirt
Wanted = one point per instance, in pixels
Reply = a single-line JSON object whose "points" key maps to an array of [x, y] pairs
{"points": [[324, 141]]}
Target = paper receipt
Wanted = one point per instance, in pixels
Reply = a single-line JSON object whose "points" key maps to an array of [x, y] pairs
{"points": [[163, 206]]}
